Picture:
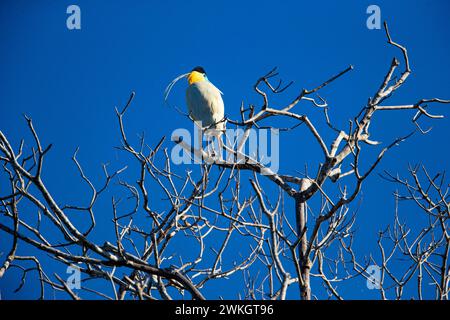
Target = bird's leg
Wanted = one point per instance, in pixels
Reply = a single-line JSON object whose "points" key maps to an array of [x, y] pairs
{"points": [[206, 133], [220, 146], [215, 145], [210, 146], [209, 154], [198, 135]]}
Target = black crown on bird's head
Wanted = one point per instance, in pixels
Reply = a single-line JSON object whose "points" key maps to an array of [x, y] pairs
{"points": [[199, 69]]}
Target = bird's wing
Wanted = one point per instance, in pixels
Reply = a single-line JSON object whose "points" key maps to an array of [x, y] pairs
{"points": [[205, 102], [216, 88]]}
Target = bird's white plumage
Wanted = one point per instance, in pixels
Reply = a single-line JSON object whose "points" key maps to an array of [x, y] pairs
{"points": [[205, 104]]}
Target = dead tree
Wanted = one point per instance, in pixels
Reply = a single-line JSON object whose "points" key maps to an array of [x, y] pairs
{"points": [[208, 207], [423, 251]]}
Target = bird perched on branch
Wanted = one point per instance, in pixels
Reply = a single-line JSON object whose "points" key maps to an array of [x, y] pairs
{"points": [[204, 104], [204, 101]]}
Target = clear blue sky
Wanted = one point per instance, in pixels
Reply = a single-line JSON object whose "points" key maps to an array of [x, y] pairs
{"points": [[70, 81]]}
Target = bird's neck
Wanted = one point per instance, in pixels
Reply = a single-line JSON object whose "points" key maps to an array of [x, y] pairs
{"points": [[194, 77]]}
